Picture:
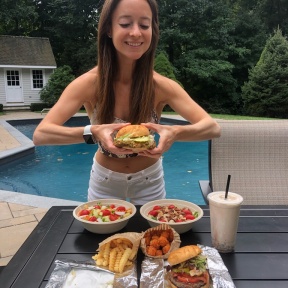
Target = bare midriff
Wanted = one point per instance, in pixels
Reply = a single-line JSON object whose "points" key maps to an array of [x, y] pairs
{"points": [[125, 165]]}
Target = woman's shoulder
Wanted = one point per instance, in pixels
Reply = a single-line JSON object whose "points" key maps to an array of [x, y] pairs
{"points": [[165, 85], [89, 76]]}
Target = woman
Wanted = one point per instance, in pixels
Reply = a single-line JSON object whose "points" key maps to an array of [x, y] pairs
{"points": [[124, 89]]}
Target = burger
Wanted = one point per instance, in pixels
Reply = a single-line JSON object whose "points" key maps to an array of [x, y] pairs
{"points": [[187, 268], [134, 137]]}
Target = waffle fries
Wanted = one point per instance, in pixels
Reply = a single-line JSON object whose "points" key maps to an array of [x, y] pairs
{"points": [[116, 254]]}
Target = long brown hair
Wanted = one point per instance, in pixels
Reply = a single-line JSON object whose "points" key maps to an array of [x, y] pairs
{"points": [[142, 92]]}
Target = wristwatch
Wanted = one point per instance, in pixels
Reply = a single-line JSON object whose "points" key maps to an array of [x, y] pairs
{"points": [[88, 136]]}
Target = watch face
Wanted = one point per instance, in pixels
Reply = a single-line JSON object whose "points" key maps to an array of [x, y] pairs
{"points": [[88, 139]]}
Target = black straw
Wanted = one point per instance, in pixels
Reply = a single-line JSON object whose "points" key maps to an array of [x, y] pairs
{"points": [[227, 186]]}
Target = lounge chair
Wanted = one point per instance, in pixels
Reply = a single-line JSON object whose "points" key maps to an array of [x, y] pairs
{"points": [[255, 154]]}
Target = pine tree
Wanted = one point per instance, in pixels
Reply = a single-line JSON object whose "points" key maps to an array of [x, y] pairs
{"points": [[164, 67], [266, 92]]}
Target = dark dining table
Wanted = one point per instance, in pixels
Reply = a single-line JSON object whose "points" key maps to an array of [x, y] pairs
{"points": [[260, 258]]}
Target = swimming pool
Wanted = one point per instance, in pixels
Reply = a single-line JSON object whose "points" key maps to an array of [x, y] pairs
{"points": [[63, 171]]}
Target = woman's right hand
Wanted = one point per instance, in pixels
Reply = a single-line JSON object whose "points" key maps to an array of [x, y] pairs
{"points": [[105, 134]]}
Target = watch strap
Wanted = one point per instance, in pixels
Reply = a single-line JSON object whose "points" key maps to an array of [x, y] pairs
{"points": [[88, 136]]}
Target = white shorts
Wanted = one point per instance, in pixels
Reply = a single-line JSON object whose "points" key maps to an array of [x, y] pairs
{"points": [[138, 188]]}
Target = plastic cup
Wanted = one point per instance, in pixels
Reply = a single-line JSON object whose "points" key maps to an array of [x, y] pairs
{"points": [[224, 217]]}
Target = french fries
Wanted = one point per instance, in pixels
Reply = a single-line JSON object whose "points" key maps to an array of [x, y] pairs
{"points": [[116, 255]]}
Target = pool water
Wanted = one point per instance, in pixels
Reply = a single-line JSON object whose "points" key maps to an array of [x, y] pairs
{"points": [[63, 171]]}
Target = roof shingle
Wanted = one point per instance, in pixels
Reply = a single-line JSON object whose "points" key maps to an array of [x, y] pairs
{"points": [[26, 51]]}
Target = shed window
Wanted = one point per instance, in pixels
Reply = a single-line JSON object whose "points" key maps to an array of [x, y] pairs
{"points": [[13, 78], [37, 79]]}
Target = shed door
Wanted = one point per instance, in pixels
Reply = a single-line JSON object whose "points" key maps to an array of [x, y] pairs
{"points": [[13, 86]]}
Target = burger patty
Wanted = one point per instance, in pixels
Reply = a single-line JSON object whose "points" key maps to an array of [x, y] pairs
{"points": [[135, 144], [132, 144]]}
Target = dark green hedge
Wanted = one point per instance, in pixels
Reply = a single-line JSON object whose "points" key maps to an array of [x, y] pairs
{"points": [[39, 106]]}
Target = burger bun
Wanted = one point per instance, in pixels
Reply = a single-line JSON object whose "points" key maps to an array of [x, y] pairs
{"points": [[184, 253], [134, 137], [133, 131]]}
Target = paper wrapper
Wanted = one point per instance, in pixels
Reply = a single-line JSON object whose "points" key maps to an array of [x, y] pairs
{"points": [[134, 237], [175, 244], [128, 278]]}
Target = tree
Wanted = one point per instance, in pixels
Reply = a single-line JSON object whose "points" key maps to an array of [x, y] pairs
{"points": [[71, 27], [164, 67], [17, 17], [197, 38], [273, 13], [58, 81], [266, 92]]}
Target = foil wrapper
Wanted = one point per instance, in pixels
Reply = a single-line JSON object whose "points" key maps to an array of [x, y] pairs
{"points": [[153, 274], [78, 274]]}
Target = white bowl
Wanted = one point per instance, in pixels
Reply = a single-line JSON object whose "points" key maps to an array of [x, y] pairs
{"points": [[105, 227], [180, 227]]}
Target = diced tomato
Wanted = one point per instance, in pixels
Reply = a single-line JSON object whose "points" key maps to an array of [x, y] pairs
{"points": [[106, 212], [97, 206], [84, 212], [121, 209], [186, 211], [190, 217], [186, 278], [92, 219], [113, 217], [171, 206], [157, 207], [154, 213], [112, 206]]}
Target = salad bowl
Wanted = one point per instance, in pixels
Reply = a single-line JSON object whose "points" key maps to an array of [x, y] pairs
{"points": [[104, 216], [184, 213]]}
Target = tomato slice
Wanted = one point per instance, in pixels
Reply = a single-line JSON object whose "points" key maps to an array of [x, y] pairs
{"points": [[84, 212], [189, 217], [186, 211], [171, 206], [113, 217], [92, 219], [106, 212], [186, 278], [157, 207], [121, 209], [154, 213]]}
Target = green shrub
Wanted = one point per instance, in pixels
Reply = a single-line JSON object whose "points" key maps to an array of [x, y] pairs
{"points": [[58, 81], [39, 106], [1, 107]]}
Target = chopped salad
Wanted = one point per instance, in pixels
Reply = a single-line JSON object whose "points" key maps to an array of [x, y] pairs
{"points": [[104, 213], [172, 214]]}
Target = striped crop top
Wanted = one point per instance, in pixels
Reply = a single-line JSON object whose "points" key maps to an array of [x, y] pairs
{"points": [[154, 119]]}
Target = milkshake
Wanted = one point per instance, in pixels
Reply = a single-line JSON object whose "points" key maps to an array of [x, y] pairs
{"points": [[224, 216]]}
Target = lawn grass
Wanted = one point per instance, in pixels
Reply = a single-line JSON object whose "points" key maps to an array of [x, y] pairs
{"points": [[230, 117], [238, 117]]}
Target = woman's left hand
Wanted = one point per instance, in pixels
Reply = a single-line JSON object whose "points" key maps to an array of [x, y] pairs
{"points": [[166, 139]]}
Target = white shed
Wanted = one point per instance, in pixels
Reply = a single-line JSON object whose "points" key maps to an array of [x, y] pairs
{"points": [[26, 64]]}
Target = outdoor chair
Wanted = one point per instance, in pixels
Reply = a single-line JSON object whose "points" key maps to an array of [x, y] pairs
{"points": [[255, 154]]}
